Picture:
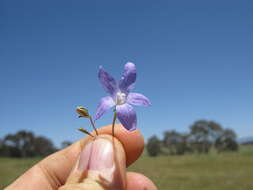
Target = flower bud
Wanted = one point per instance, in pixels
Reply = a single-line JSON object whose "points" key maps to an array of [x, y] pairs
{"points": [[83, 112]]}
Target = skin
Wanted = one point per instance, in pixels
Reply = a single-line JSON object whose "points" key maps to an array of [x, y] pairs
{"points": [[52, 172]]}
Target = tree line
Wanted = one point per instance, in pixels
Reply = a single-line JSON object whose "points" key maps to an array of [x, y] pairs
{"points": [[203, 136], [25, 144]]}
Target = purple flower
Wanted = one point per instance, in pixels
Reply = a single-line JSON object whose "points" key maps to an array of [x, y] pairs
{"points": [[121, 97]]}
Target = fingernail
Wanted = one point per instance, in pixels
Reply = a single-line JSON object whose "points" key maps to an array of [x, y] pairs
{"points": [[98, 159], [97, 155], [102, 161]]}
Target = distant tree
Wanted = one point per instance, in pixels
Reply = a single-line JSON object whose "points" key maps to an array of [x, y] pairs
{"points": [[65, 144], [1, 145], [226, 141], [247, 143], [203, 135], [184, 145], [20, 144], [3, 150], [11, 146], [176, 142], [43, 146], [25, 144], [170, 141], [153, 146]]}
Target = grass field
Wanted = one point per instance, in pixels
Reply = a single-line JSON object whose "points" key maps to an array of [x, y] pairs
{"points": [[228, 171]]}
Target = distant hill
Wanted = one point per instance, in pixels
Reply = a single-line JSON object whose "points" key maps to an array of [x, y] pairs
{"points": [[245, 140]]}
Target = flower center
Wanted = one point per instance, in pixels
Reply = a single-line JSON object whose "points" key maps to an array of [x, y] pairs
{"points": [[120, 98]]}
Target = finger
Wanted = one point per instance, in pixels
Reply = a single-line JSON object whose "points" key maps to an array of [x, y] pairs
{"points": [[53, 171], [132, 141], [136, 181], [101, 164]]}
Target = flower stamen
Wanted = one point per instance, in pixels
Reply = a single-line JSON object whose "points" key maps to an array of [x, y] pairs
{"points": [[120, 98]]}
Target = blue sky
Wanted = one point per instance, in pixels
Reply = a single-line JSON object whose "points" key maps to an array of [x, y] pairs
{"points": [[194, 61]]}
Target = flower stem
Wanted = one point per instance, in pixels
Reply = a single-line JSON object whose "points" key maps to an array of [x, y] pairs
{"points": [[93, 125], [113, 122], [85, 131]]}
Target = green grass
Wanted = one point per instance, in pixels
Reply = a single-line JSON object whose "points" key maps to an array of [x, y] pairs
{"points": [[11, 168], [193, 172], [228, 171]]}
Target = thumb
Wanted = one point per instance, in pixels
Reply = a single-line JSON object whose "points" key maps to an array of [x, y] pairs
{"points": [[101, 166]]}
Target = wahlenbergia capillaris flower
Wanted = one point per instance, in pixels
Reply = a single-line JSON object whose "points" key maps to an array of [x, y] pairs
{"points": [[121, 97]]}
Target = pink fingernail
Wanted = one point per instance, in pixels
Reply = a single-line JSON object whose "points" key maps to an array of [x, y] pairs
{"points": [[97, 155]]}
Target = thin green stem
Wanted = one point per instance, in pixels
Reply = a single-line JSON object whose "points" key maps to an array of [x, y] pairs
{"points": [[93, 125], [85, 131], [113, 122]]}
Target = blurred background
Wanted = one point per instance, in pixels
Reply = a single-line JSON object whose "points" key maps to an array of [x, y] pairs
{"points": [[194, 62]]}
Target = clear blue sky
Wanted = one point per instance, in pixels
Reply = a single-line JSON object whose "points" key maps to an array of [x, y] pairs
{"points": [[194, 61]]}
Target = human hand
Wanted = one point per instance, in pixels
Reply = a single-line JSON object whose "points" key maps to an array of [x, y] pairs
{"points": [[68, 169]]}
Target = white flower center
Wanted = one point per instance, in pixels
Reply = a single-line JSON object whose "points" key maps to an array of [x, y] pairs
{"points": [[120, 98]]}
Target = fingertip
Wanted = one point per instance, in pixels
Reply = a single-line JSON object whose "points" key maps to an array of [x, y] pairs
{"points": [[136, 181], [132, 141]]}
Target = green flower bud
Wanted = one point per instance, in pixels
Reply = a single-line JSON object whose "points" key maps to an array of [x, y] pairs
{"points": [[83, 112]]}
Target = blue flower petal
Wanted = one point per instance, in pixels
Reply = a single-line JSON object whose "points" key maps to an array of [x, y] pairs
{"points": [[107, 81], [127, 116], [138, 99], [104, 105], [128, 78]]}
